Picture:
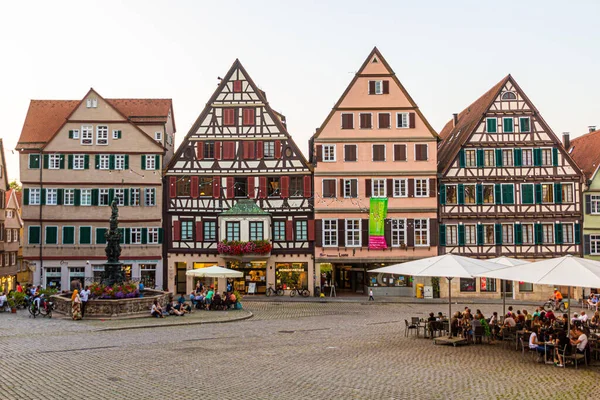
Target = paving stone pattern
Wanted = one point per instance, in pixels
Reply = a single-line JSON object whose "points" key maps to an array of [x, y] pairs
{"points": [[286, 351]]}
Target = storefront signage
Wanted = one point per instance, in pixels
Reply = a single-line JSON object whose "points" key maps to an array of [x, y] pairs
{"points": [[291, 269], [53, 274], [377, 216], [334, 255]]}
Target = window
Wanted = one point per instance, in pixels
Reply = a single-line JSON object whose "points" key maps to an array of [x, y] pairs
{"points": [[54, 161], [150, 196], [376, 87], [350, 188], [524, 124], [527, 196], [187, 227], [507, 158], [134, 197], [248, 116], [120, 197], [567, 192], [470, 158], [103, 197], [546, 156], [421, 232], [74, 134], [422, 187], [594, 244], [330, 232], [279, 231], [150, 162], [594, 200], [273, 186], [91, 103], [78, 161], [347, 121], [233, 231], [104, 161], [120, 161], [470, 234], [507, 234], [269, 149], [51, 236], [206, 186], [116, 134], [34, 197], [301, 231], [87, 134], [256, 230], [34, 161], [547, 233], [490, 125], [488, 158], [329, 152], [353, 233], [451, 194], [487, 284], [421, 152], [350, 152], [470, 196], [378, 152], [13, 258], [488, 194], [182, 186], [329, 188], [451, 235], [399, 152], [51, 197], [378, 188], [509, 96], [527, 155], [400, 187], [507, 125], [366, 120], [34, 235], [402, 120], [528, 236], [468, 284], [102, 134], [567, 233], [8, 235], [209, 150], [210, 231], [398, 232], [153, 235], [547, 193], [488, 234], [68, 197], [229, 116], [158, 136], [525, 287], [86, 197], [385, 120]]}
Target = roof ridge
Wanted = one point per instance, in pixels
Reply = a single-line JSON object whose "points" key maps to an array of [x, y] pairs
{"points": [[585, 135]]}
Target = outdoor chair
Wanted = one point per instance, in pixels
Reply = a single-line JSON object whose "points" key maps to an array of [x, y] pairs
{"points": [[478, 334], [574, 356], [525, 348], [408, 328], [509, 335]]}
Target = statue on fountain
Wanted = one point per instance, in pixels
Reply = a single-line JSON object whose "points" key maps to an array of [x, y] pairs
{"points": [[113, 269]]}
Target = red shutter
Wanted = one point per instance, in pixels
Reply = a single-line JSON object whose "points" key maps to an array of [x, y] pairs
{"points": [[307, 186], [200, 150], [176, 230], [216, 187], [251, 150], [250, 187], [245, 150], [199, 237], [260, 150], [386, 87], [229, 116], [311, 230], [367, 188], [319, 152], [278, 149], [194, 187], [285, 187], [172, 186], [289, 230], [262, 187], [371, 87], [237, 86], [411, 187], [411, 120], [230, 187], [217, 150], [432, 188], [248, 116]]}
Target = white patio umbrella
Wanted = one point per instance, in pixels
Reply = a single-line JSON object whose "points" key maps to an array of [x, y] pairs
{"points": [[449, 266], [214, 272], [508, 262]]}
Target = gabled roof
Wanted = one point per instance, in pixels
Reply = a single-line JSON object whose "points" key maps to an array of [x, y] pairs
{"points": [[45, 117], [3, 166], [18, 195], [455, 136], [245, 207], [392, 74], [585, 150]]}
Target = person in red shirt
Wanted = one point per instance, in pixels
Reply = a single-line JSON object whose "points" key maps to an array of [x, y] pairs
{"points": [[19, 288], [550, 316]]}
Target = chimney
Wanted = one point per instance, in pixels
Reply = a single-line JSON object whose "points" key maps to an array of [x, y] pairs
{"points": [[566, 140], [455, 119], [591, 128]]}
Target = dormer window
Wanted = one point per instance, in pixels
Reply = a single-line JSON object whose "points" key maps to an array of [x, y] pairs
{"points": [[509, 96], [158, 136], [91, 103]]}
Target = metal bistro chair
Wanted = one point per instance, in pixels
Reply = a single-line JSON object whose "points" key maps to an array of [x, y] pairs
{"points": [[408, 327], [574, 355], [525, 348]]}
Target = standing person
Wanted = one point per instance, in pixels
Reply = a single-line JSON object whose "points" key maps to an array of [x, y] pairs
{"points": [[85, 295], [76, 305], [76, 285], [371, 298], [19, 287]]}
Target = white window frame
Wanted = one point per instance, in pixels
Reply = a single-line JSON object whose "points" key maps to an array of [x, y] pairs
{"points": [[400, 187], [390, 118], [521, 129], [402, 120], [158, 136], [503, 125], [153, 234], [119, 195], [9, 236], [75, 133], [359, 120], [417, 191], [572, 192], [486, 124], [150, 162], [565, 233], [348, 188], [102, 135], [378, 193], [147, 193], [104, 162], [452, 235], [548, 150], [474, 164], [530, 158], [85, 197], [119, 161], [329, 153], [378, 87], [51, 197], [135, 233], [115, 133], [353, 227], [508, 234], [54, 161], [485, 158], [102, 192], [134, 194], [268, 149], [448, 202], [35, 197], [470, 234], [79, 161], [594, 245], [506, 155], [68, 197], [545, 229], [398, 231], [485, 228], [422, 230], [330, 226], [528, 238], [87, 135]]}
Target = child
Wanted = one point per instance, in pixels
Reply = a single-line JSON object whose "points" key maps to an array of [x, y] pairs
{"points": [[371, 295]]}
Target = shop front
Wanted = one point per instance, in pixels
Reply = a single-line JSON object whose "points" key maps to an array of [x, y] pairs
{"points": [[290, 275], [206, 282], [52, 278], [8, 283], [254, 279], [148, 275], [77, 274]]}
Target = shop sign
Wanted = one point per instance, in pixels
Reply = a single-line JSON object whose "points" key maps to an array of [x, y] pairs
{"points": [[53, 274], [334, 255], [76, 274], [291, 269]]}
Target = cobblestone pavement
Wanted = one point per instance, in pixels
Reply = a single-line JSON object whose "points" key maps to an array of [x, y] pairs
{"points": [[286, 351]]}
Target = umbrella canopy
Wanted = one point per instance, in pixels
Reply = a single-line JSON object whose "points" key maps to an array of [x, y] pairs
{"points": [[448, 265], [214, 272], [507, 261]]}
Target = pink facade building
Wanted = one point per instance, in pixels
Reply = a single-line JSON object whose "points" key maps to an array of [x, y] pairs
{"points": [[375, 163]]}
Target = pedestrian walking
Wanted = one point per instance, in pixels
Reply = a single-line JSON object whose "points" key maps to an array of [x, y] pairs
{"points": [[76, 305], [84, 295], [371, 298]]}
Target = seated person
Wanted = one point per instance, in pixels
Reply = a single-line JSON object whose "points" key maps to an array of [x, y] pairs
{"points": [[580, 341], [559, 346], [467, 327], [528, 317], [593, 301], [431, 323], [509, 321], [171, 310], [583, 317], [3, 300], [216, 301], [440, 316], [595, 321], [156, 310], [534, 344], [232, 299], [520, 317], [182, 306], [431, 317], [537, 312], [550, 316]]}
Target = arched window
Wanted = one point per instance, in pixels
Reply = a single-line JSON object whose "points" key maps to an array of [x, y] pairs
{"points": [[509, 96]]}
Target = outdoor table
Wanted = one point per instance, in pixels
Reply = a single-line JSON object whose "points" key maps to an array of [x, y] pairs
{"points": [[518, 334], [422, 324], [546, 345]]}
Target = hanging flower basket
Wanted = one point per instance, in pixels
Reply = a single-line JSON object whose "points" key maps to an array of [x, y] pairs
{"points": [[235, 248]]}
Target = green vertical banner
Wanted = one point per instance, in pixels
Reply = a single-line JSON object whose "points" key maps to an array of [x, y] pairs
{"points": [[377, 216]]}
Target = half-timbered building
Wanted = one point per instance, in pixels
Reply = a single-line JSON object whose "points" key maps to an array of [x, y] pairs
{"points": [[375, 160], [239, 194], [508, 188]]}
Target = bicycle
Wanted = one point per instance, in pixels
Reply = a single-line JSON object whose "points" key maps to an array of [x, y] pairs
{"points": [[270, 291], [301, 292], [44, 308]]}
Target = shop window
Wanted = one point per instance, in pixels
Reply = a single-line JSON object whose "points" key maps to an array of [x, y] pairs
{"points": [[467, 285], [52, 276], [525, 287], [148, 275], [292, 275], [487, 285], [388, 280], [183, 186]]}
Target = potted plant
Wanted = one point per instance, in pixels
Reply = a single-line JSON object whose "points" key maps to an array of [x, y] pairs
{"points": [[12, 304], [238, 300]]}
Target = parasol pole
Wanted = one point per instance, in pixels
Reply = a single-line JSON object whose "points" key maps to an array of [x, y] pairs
{"points": [[449, 306], [504, 297], [569, 312]]}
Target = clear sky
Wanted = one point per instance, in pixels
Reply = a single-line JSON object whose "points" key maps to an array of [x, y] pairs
{"points": [[303, 54]]}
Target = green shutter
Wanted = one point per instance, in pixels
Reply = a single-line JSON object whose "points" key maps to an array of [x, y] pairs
{"points": [[111, 162], [61, 161], [34, 235], [144, 235], [480, 240], [25, 197], [157, 162], [43, 197], [111, 196], [125, 197], [46, 161], [442, 194], [160, 235], [527, 193], [507, 125], [498, 157], [97, 161], [539, 233], [34, 161], [51, 235], [497, 193], [122, 232], [480, 158], [126, 158], [95, 193], [86, 161], [460, 193], [498, 232], [143, 161], [479, 193], [70, 161], [524, 124], [508, 196], [491, 125], [77, 196], [538, 193], [577, 233], [68, 235], [555, 157], [100, 238], [537, 157], [85, 235], [557, 193], [518, 233], [442, 237], [119, 135], [461, 235], [558, 233], [462, 162], [127, 235], [59, 197], [518, 157], [71, 134]]}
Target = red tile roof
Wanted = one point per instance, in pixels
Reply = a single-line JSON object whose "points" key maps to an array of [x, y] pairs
{"points": [[585, 150], [45, 117], [18, 194]]}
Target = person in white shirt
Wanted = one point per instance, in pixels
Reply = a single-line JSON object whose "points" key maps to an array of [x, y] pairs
{"points": [[85, 296], [581, 341], [583, 317], [3, 300], [509, 321], [534, 344]]}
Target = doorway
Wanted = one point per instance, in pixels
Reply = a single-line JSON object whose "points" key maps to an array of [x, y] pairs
{"points": [[180, 278]]}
